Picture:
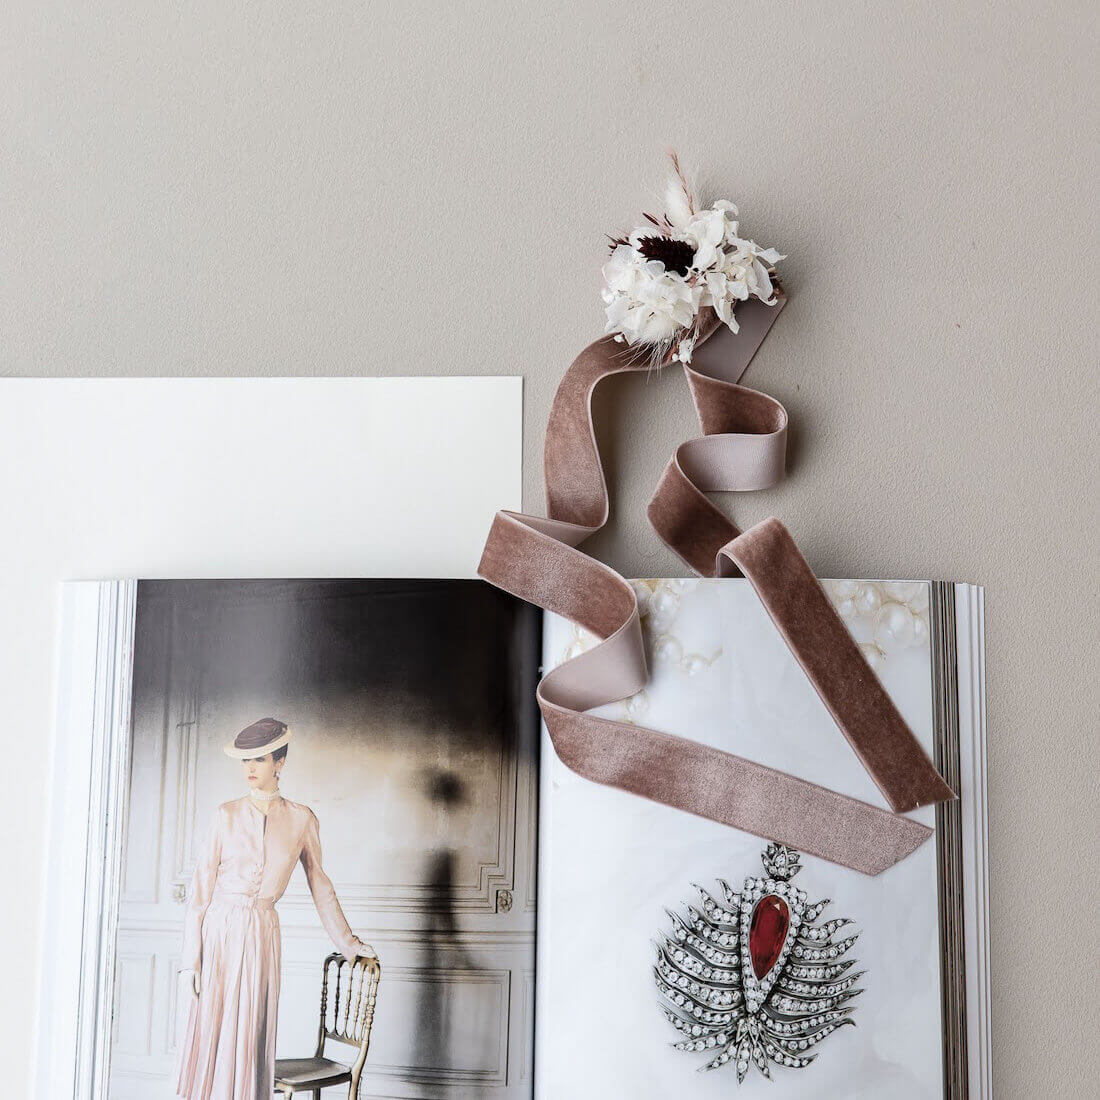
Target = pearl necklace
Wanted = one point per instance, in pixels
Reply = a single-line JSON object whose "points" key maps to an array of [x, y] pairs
{"points": [[264, 796]]}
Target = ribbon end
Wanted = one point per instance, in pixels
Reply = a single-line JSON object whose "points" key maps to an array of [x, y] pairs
{"points": [[894, 848]]}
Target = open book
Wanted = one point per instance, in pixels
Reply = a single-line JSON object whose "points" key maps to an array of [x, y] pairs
{"points": [[413, 811]]}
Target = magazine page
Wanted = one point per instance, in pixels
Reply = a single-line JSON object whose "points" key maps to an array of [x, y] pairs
{"points": [[638, 930], [327, 865]]}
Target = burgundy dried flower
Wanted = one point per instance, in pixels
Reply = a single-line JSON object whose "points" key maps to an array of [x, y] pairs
{"points": [[675, 255]]}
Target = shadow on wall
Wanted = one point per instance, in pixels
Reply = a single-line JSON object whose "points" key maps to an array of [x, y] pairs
{"points": [[441, 951]]}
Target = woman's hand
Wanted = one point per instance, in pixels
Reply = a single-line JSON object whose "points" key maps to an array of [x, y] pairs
{"points": [[193, 981], [359, 949]]}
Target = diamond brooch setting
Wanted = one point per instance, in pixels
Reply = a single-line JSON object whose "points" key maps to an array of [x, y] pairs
{"points": [[754, 977]]}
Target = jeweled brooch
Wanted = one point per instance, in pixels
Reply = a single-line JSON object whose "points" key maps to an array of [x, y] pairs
{"points": [[755, 978]]}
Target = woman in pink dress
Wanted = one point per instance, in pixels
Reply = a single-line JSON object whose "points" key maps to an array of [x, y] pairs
{"points": [[231, 951]]}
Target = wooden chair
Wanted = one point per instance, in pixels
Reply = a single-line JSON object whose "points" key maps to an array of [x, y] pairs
{"points": [[349, 1021]]}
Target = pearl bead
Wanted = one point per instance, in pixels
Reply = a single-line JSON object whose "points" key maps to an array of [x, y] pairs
{"points": [[894, 627], [644, 594], [871, 653], [905, 591], [869, 599], [695, 662], [919, 600], [663, 608]]}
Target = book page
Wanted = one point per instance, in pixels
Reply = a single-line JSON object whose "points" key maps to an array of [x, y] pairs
{"points": [[612, 863]]}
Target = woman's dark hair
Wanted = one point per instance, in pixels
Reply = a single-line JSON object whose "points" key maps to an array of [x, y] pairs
{"points": [[280, 754]]}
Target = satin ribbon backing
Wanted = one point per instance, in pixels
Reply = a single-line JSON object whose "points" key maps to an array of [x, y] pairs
{"points": [[742, 448]]}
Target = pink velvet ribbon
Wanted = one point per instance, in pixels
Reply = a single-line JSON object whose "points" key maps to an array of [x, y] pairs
{"points": [[742, 448]]}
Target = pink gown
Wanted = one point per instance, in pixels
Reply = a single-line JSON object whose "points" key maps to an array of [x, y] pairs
{"points": [[231, 937]]}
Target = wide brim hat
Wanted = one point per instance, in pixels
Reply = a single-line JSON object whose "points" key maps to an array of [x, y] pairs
{"points": [[258, 739]]}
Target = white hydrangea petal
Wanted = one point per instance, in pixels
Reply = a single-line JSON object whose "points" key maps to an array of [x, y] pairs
{"points": [[763, 281], [618, 309], [683, 314], [709, 227], [706, 256]]}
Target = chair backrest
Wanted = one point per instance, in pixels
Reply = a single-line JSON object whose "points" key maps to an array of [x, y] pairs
{"points": [[349, 992]]}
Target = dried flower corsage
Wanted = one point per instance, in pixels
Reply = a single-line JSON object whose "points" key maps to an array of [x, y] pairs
{"points": [[660, 277]]}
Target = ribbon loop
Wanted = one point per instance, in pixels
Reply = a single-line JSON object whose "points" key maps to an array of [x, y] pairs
{"points": [[536, 558], [798, 606]]}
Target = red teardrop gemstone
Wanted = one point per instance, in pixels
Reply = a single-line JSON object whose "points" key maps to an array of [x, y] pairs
{"points": [[767, 933]]}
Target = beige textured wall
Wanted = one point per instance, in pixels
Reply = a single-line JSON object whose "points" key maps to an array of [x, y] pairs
{"points": [[410, 188]]}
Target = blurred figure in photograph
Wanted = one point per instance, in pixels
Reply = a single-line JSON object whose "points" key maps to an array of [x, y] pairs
{"points": [[442, 948]]}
